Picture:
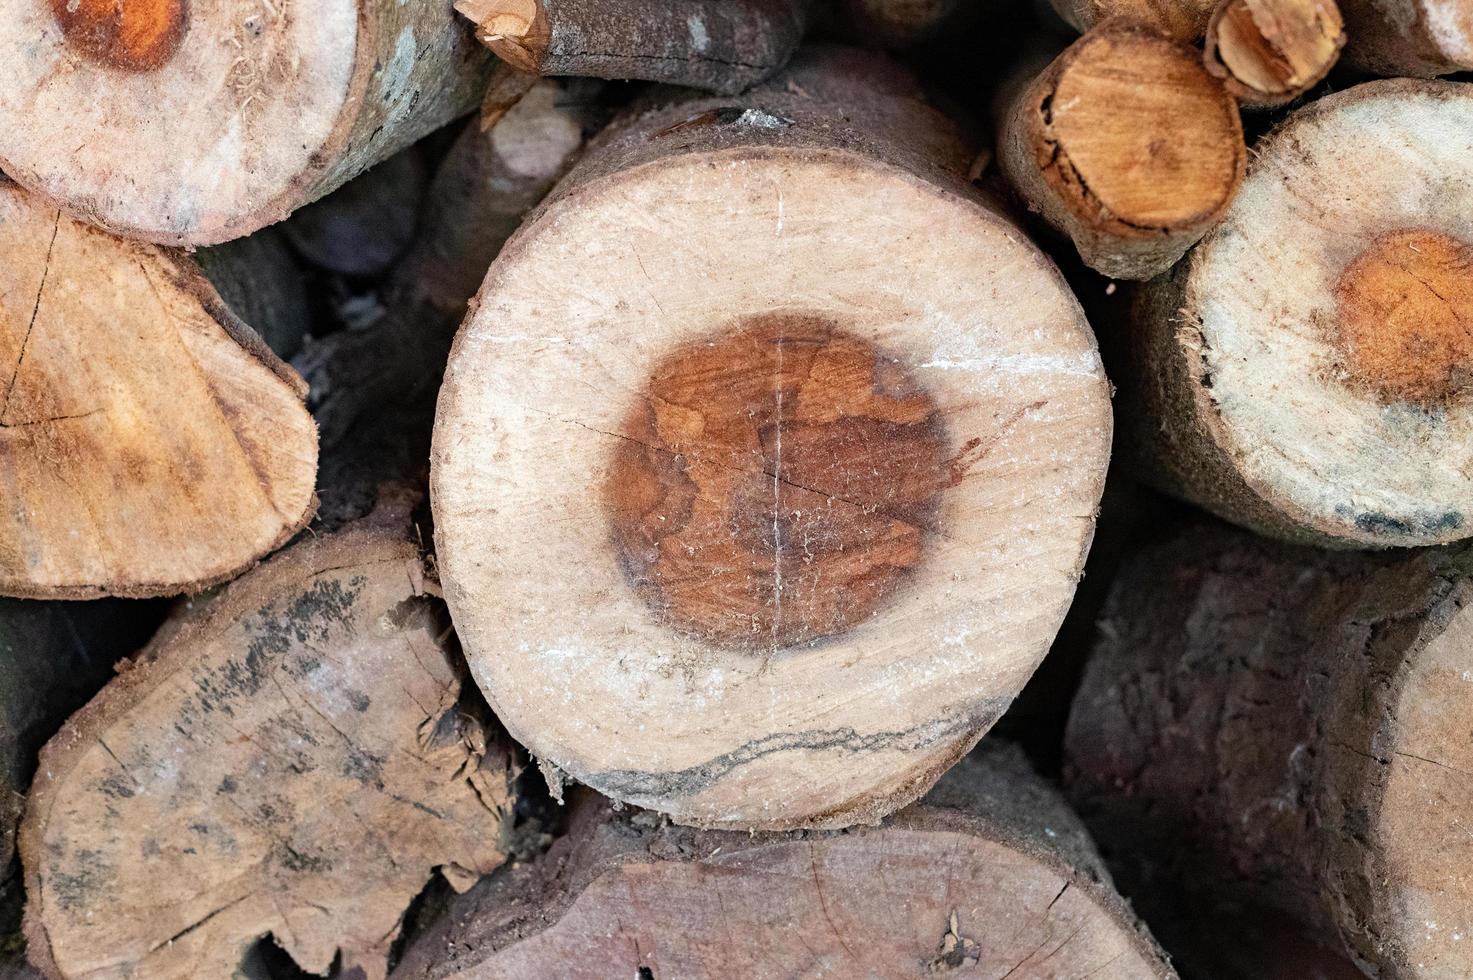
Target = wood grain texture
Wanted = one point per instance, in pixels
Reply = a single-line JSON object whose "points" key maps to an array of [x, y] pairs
{"points": [[1127, 145], [989, 874], [1417, 38], [150, 443], [288, 758], [230, 119], [1289, 726], [723, 46], [778, 481], [1302, 372], [1269, 52], [839, 199]]}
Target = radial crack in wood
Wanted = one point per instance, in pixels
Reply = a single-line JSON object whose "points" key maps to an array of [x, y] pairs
{"points": [[1127, 145], [1286, 726], [289, 758], [991, 875], [150, 443], [1306, 371], [194, 123], [734, 515]]}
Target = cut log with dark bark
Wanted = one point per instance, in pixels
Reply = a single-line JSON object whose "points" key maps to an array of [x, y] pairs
{"points": [[1420, 38], [290, 758], [991, 875], [1277, 724], [723, 46], [767, 459], [194, 123], [150, 442], [1126, 144], [1269, 52], [1305, 372], [374, 387]]}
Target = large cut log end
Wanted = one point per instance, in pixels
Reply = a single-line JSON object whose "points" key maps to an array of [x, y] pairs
{"points": [[990, 875], [195, 123], [150, 443], [1305, 372], [292, 758], [810, 420]]}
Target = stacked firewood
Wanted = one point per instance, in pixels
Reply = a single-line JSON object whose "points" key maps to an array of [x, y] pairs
{"points": [[562, 488]]}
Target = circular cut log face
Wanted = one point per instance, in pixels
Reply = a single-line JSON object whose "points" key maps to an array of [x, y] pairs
{"points": [[762, 480], [171, 119], [1112, 127], [290, 762], [149, 443], [1333, 316], [1423, 827], [894, 903]]}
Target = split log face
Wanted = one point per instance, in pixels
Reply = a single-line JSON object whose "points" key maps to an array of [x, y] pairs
{"points": [[194, 123], [1291, 727], [1306, 371], [1420, 38], [1126, 144], [288, 759], [990, 874], [795, 433], [149, 442], [1270, 51]]}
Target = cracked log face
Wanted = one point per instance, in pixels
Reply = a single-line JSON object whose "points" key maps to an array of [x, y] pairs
{"points": [[197, 122], [1260, 683], [1306, 372], [150, 443], [1128, 145], [289, 759], [990, 875], [768, 519]]}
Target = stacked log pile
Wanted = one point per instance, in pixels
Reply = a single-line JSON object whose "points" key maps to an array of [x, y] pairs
{"points": [[618, 531]]}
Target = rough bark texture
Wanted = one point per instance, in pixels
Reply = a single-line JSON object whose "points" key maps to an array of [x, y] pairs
{"points": [[1304, 371], [1420, 38], [823, 220], [1182, 20], [290, 757], [990, 874], [1276, 724], [1268, 52], [150, 442], [373, 388], [723, 46], [1127, 145], [252, 109]]}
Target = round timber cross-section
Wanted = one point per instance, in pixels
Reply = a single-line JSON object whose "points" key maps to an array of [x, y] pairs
{"points": [[764, 468]]}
